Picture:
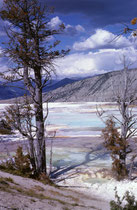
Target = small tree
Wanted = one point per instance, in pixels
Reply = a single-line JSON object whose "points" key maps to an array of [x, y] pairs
{"points": [[31, 50], [22, 163], [20, 116], [131, 203], [117, 147], [119, 143], [125, 96]]}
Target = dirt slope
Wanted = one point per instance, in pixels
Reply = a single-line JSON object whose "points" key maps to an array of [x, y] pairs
{"points": [[23, 193]]}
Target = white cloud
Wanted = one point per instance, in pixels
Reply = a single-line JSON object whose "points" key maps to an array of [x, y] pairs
{"points": [[69, 29], [102, 39], [55, 22], [80, 28], [75, 64], [91, 63], [73, 30]]}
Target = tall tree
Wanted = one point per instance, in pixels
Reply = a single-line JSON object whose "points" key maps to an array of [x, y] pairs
{"points": [[32, 53]]}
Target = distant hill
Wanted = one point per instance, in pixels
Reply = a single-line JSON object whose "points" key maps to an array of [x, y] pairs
{"points": [[58, 84], [96, 88], [8, 92], [11, 90]]}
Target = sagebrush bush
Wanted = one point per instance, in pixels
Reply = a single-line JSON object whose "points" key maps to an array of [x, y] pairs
{"points": [[119, 170], [5, 131], [131, 203], [20, 164]]}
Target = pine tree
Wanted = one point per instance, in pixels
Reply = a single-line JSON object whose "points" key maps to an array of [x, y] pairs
{"points": [[32, 55]]}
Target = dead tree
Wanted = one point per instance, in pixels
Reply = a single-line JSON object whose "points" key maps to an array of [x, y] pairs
{"points": [[126, 97], [32, 53], [125, 94]]}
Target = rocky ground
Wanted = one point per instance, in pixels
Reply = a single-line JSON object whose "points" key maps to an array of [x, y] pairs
{"points": [[23, 193]]}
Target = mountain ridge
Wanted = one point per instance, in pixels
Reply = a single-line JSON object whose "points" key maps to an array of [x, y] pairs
{"points": [[98, 88], [13, 90], [95, 88]]}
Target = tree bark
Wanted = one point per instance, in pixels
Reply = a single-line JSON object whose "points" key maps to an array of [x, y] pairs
{"points": [[38, 105], [32, 153]]}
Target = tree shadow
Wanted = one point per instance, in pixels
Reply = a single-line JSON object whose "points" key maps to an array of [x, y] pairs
{"points": [[100, 154]]}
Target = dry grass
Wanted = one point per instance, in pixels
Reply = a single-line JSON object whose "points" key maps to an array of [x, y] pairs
{"points": [[5, 132], [39, 188], [34, 193], [56, 193], [6, 187]]}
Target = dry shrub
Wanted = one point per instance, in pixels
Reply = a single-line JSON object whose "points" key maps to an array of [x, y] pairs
{"points": [[45, 179], [131, 203], [119, 170], [5, 131], [20, 164], [118, 149]]}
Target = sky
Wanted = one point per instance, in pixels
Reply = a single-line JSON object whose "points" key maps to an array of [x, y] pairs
{"points": [[91, 29]]}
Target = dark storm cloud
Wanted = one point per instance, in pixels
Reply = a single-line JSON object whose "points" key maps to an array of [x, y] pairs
{"points": [[100, 12]]}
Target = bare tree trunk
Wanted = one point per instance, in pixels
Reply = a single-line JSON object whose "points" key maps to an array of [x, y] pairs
{"points": [[51, 156], [40, 138], [36, 93], [131, 166], [32, 153], [124, 130]]}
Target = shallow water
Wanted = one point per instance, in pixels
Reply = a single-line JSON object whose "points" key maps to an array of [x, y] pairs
{"points": [[78, 119], [96, 180], [68, 161], [79, 157]]}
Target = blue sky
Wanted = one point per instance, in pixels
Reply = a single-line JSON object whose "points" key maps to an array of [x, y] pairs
{"points": [[91, 26]]}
